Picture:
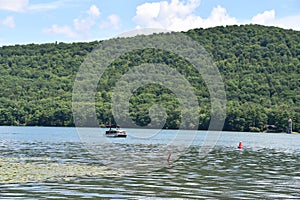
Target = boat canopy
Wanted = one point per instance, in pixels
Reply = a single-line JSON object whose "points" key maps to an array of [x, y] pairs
{"points": [[112, 126]]}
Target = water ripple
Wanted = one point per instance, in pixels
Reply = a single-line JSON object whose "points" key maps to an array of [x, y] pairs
{"points": [[224, 173]]}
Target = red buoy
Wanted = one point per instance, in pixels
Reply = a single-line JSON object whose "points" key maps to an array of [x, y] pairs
{"points": [[240, 145]]}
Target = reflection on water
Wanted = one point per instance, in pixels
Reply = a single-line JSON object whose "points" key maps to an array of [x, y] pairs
{"points": [[262, 170]]}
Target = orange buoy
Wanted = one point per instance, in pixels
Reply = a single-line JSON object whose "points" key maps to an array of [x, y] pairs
{"points": [[240, 145]]}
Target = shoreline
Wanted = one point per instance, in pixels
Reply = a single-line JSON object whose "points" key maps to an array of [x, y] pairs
{"points": [[22, 126]]}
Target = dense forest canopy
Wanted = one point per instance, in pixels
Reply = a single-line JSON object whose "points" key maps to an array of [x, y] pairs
{"points": [[260, 67]]}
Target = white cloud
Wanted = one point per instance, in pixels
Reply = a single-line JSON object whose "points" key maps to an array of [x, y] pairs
{"points": [[93, 11], [82, 25], [264, 18], [146, 14], [167, 15], [179, 16], [63, 30], [14, 5], [268, 18], [9, 22], [219, 17], [24, 5], [112, 22], [290, 22], [45, 6]]}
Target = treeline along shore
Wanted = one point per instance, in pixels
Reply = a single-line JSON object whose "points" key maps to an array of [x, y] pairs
{"points": [[260, 67]]}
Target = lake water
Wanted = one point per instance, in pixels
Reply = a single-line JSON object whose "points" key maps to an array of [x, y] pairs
{"points": [[53, 163]]}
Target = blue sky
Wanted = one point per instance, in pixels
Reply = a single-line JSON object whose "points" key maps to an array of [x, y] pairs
{"points": [[37, 21]]}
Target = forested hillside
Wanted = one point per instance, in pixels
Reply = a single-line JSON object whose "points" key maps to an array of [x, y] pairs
{"points": [[260, 67]]}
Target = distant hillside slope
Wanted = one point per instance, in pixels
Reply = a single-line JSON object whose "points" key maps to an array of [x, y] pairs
{"points": [[260, 67]]}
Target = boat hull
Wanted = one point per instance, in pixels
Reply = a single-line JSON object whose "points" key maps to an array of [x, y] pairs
{"points": [[115, 134]]}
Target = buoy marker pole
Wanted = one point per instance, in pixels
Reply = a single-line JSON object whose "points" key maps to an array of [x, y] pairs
{"points": [[169, 157]]}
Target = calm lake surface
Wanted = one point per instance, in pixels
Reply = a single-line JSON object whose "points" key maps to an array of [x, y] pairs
{"points": [[58, 163]]}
